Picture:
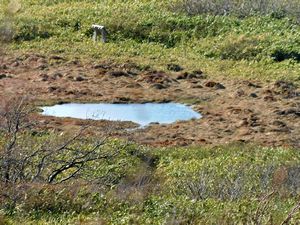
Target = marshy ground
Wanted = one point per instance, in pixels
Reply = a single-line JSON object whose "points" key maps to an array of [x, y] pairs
{"points": [[233, 110]]}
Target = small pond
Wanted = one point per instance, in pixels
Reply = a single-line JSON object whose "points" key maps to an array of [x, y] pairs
{"points": [[143, 114]]}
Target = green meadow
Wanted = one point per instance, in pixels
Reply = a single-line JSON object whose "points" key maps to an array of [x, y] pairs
{"points": [[260, 45]]}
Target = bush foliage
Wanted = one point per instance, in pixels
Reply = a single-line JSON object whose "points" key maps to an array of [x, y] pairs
{"points": [[180, 185]]}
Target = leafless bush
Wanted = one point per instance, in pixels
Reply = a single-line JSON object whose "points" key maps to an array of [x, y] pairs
{"points": [[199, 189], [242, 8], [278, 180], [13, 119], [35, 161], [263, 205], [293, 211], [52, 159], [225, 189], [210, 185]]}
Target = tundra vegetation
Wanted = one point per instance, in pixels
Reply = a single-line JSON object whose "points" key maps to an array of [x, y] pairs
{"points": [[254, 39], [52, 178]]}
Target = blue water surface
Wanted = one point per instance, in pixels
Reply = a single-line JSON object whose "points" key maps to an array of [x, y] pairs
{"points": [[143, 114]]}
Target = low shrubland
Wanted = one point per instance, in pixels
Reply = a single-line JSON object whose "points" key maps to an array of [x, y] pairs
{"points": [[228, 184], [48, 177], [244, 8], [157, 33]]}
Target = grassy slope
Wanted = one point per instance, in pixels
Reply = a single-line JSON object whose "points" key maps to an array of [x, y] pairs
{"points": [[150, 33]]}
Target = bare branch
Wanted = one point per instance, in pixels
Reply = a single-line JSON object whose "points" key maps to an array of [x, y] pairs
{"points": [[54, 160], [291, 214], [263, 206]]}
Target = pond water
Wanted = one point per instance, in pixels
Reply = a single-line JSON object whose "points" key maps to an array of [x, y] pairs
{"points": [[143, 114]]}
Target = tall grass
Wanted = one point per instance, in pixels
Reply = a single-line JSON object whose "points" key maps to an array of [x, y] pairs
{"points": [[242, 8]]}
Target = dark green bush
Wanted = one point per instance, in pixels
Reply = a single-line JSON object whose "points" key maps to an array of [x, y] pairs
{"points": [[280, 55], [30, 30]]}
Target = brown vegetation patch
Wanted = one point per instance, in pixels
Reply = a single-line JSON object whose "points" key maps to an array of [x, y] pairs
{"points": [[233, 110]]}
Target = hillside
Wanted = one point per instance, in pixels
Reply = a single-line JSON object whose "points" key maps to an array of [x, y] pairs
{"points": [[235, 63]]}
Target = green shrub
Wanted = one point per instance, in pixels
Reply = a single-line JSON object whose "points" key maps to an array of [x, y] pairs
{"points": [[279, 55], [241, 48], [30, 32]]}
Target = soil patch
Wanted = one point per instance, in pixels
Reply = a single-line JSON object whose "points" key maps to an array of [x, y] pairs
{"points": [[232, 110]]}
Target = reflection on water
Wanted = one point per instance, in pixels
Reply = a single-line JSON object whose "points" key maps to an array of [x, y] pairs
{"points": [[142, 114]]}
